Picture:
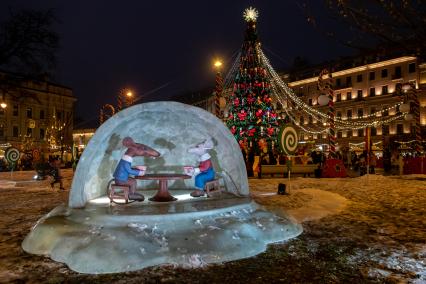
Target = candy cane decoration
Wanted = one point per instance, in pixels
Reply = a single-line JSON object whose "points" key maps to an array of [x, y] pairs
{"points": [[102, 114], [416, 113], [326, 87], [218, 90]]}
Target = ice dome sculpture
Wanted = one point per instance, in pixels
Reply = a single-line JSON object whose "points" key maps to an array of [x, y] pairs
{"points": [[91, 235], [170, 128]]}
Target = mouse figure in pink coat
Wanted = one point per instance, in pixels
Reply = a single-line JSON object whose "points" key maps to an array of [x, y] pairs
{"points": [[204, 172], [124, 169]]}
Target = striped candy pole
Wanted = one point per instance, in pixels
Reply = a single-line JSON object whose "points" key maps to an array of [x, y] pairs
{"points": [[119, 102], [416, 113], [218, 93], [326, 87]]}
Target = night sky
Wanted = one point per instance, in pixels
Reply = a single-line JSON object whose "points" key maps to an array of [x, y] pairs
{"points": [[167, 46]]}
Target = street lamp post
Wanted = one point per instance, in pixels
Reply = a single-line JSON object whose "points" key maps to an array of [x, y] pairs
{"points": [[125, 99], [218, 88]]}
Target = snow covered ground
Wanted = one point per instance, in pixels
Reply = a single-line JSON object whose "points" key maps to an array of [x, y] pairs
{"points": [[365, 229]]}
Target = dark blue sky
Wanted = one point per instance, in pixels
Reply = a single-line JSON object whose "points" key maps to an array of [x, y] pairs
{"points": [[110, 45]]}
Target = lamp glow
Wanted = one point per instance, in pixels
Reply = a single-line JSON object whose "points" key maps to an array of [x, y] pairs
{"points": [[218, 64]]}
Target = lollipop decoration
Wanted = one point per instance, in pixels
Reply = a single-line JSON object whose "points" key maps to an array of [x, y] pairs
{"points": [[288, 139], [12, 155]]}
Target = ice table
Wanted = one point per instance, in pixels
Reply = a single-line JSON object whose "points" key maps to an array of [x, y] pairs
{"points": [[163, 194]]}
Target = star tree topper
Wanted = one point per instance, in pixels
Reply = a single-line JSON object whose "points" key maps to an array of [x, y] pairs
{"points": [[250, 14]]}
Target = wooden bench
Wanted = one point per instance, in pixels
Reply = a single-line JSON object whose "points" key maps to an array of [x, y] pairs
{"points": [[283, 170], [119, 192], [212, 187]]}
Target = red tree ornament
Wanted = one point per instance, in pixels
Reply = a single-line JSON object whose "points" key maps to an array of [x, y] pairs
{"points": [[251, 132], [236, 102]]}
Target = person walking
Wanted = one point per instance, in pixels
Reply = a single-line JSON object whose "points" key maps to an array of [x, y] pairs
{"points": [[56, 174]]}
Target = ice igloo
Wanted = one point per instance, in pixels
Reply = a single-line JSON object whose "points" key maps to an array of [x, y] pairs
{"points": [[91, 236], [170, 128]]}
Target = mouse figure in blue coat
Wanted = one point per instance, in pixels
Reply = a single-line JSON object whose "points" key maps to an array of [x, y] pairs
{"points": [[124, 170]]}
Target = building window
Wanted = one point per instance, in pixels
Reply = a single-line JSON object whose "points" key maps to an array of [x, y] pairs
{"points": [[338, 82], [398, 73], [310, 119], [339, 114], [372, 92], [360, 112], [338, 97], [349, 113], [384, 73], [59, 115], [339, 134], [399, 128], [302, 120], [15, 110], [349, 95], [385, 129], [360, 132], [359, 94], [372, 76], [29, 112], [384, 90], [385, 111], [359, 78], [1, 131], [42, 114], [372, 110], [310, 102], [1, 111], [348, 81], [42, 133], [29, 132], [412, 67], [349, 133], [373, 131], [15, 131]]}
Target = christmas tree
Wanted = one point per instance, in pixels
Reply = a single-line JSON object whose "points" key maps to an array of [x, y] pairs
{"points": [[252, 118]]}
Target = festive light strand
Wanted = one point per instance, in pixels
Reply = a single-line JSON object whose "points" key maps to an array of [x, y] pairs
{"points": [[289, 94]]}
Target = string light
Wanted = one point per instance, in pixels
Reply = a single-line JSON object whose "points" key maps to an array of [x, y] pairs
{"points": [[282, 91]]}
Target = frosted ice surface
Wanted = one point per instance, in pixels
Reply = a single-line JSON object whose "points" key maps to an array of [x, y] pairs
{"points": [[106, 243]]}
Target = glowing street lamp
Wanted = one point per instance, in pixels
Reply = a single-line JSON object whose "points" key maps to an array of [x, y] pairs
{"points": [[218, 100], [218, 64], [3, 104], [125, 99]]}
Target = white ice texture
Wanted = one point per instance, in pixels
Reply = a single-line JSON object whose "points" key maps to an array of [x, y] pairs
{"points": [[93, 240]]}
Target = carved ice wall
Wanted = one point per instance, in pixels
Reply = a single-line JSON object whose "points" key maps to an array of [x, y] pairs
{"points": [[168, 127]]}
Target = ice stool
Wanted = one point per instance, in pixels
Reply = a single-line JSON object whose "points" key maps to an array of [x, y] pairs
{"points": [[119, 192], [212, 187]]}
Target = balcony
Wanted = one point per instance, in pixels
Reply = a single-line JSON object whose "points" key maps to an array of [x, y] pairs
{"points": [[343, 86], [396, 77]]}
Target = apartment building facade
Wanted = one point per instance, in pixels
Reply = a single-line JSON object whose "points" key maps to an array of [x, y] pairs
{"points": [[368, 90], [36, 114]]}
